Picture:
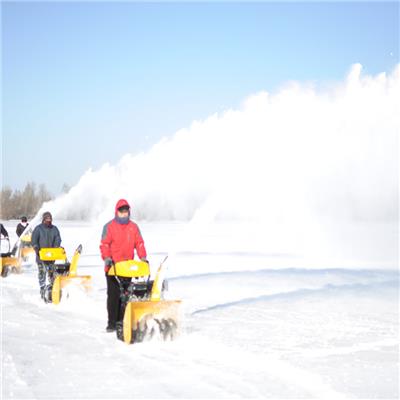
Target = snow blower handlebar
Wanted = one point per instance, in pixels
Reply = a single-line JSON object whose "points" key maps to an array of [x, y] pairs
{"points": [[6, 239], [138, 269]]}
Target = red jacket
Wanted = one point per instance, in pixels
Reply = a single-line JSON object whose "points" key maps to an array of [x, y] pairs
{"points": [[119, 241]]}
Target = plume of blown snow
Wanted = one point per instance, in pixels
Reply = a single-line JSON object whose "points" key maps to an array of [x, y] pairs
{"points": [[300, 153]]}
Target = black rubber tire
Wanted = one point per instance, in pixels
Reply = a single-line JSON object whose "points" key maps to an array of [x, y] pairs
{"points": [[47, 294], [173, 329], [119, 331], [5, 272]]}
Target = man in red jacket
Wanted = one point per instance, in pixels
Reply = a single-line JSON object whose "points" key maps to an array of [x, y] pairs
{"points": [[120, 238]]}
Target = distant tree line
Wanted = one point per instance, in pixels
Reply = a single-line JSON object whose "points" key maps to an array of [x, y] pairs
{"points": [[16, 203]]}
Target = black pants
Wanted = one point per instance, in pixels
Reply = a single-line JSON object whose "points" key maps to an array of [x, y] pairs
{"points": [[113, 300], [115, 313]]}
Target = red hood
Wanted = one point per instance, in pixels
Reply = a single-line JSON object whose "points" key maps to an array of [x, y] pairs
{"points": [[121, 203]]}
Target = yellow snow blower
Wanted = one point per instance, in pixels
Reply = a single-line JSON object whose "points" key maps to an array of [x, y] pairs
{"points": [[26, 249], [9, 263], [145, 313], [61, 273]]}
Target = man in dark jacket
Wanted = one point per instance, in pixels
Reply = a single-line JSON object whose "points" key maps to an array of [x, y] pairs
{"points": [[120, 238], [43, 236], [21, 226], [3, 231]]}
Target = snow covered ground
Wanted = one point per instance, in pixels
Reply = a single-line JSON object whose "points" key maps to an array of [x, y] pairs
{"points": [[287, 314]]}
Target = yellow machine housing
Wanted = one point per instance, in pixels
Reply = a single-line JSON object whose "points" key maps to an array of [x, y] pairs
{"points": [[26, 249], [26, 238], [71, 277], [139, 313], [130, 269], [9, 264], [53, 254], [26, 252]]}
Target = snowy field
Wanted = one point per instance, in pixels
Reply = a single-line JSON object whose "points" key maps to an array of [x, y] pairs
{"points": [[292, 314]]}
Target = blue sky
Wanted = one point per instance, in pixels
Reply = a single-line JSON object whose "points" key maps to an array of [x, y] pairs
{"points": [[85, 83]]}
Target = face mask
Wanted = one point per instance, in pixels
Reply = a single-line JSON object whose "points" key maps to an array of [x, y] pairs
{"points": [[122, 220], [24, 223]]}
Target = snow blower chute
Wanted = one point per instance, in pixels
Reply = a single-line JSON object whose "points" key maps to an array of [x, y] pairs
{"points": [[144, 311], [61, 273], [9, 263]]}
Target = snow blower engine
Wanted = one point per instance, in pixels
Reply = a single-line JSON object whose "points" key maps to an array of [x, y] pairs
{"points": [[61, 273], [145, 314]]}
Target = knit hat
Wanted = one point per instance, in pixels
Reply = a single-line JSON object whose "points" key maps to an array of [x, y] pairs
{"points": [[46, 215]]}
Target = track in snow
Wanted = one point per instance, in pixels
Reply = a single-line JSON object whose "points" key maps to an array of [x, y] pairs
{"points": [[275, 334]]}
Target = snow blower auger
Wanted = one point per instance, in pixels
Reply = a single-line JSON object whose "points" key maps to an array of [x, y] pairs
{"points": [[61, 274], [145, 313], [9, 263]]}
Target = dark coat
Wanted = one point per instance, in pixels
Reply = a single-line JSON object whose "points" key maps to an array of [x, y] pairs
{"points": [[20, 229], [3, 230], [45, 236]]}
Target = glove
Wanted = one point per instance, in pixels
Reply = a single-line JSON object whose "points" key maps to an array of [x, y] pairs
{"points": [[108, 262]]}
